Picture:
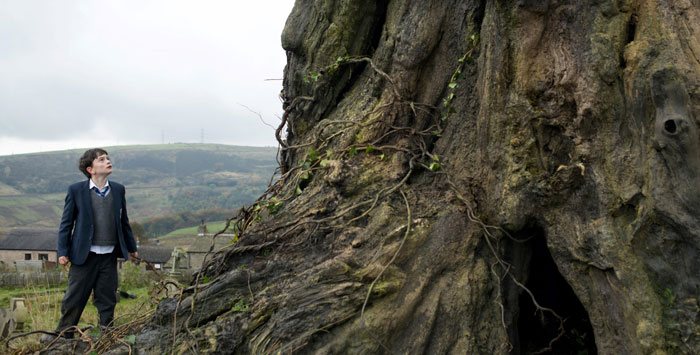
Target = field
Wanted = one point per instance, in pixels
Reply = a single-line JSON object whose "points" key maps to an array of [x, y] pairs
{"points": [[185, 237], [37, 210], [43, 305]]}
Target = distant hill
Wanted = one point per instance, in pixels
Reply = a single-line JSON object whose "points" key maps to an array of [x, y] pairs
{"points": [[160, 180]]}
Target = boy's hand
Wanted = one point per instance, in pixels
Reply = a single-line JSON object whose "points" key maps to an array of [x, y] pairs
{"points": [[63, 260], [134, 255]]}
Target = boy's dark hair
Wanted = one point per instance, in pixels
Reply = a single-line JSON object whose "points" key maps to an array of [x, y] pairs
{"points": [[87, 158]]}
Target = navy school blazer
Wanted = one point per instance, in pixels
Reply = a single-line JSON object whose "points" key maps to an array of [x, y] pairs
{"points": [[77, 228]]}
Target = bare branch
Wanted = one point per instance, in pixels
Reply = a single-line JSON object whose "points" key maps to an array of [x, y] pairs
{"points": [[258, 114]]}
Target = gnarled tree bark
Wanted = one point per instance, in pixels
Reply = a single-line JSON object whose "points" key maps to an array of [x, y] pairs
{"points": [[470, 177]]}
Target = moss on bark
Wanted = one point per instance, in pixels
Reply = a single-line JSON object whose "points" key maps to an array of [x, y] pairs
{"points": [[575, 120]]}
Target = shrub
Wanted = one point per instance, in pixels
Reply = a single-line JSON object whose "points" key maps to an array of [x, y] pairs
{"points": [[133, 276]]}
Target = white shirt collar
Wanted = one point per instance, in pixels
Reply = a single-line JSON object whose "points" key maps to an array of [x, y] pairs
{"points": [[92, 184]]}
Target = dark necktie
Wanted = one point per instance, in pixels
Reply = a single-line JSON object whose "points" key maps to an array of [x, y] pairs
{"points": [[101, 193]]}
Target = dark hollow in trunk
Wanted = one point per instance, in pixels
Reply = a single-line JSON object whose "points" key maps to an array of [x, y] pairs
{"points": [[539, 330]]}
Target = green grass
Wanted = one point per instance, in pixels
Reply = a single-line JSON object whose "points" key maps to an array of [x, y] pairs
{"points": [[7, 293], [181, 241], [212, 227], [187, 236], [47, 301], [44, 309]]}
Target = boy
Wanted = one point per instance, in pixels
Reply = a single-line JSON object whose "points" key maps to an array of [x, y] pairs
{"points": [[94, 232]]}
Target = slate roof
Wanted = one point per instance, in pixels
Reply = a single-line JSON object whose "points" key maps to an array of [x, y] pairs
{"points": [[29, 239], [202, 244], [155, 254]]}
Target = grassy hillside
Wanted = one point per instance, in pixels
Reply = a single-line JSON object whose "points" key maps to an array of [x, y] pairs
{"points": [[212, 227], [39, 210], [185, 237], [160, 180]]}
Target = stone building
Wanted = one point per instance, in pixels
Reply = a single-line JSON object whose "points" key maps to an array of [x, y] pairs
{"points": [[155, 256], [28, 244], [198, 250]]}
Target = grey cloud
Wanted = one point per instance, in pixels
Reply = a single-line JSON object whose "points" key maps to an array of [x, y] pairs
{"points": [[72, 68]]}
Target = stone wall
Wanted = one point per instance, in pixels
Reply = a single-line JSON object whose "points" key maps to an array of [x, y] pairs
{"points": [[9, 256]]}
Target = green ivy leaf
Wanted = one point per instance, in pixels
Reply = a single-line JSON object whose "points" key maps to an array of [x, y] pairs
{"points": [[452, 85], [131, 339], [314, 76], [312, 156], [273, 205], [434, 166]]}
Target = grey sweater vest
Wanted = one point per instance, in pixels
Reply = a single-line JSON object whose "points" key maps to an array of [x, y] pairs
{"points": [[103, 220]]}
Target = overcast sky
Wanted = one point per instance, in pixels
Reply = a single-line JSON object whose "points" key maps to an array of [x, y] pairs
{"points": [[77, 74]]}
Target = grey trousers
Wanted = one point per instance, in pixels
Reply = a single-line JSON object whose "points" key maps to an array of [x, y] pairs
{"points": [[98, 274]]}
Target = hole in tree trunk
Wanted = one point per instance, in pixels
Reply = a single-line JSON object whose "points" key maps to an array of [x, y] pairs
{"points": [[631, 28], [536, 329], [670, 126]]}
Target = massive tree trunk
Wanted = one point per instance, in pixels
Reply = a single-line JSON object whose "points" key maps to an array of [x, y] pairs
{"points": [[470, 177]]}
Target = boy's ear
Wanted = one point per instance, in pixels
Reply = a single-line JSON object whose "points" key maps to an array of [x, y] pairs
{"points": [[89, 170]]}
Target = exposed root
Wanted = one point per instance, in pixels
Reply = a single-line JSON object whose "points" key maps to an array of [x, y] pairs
{"points": [[396, 254], [506, 267]]}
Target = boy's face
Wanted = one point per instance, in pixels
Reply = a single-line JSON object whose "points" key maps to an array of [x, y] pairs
{"points": [[102, 165]]}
